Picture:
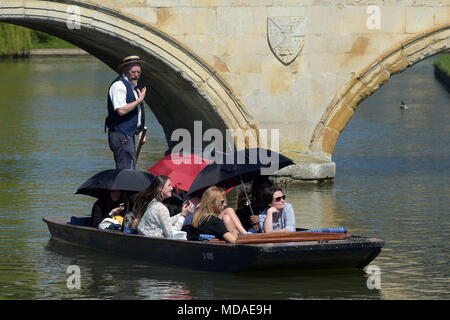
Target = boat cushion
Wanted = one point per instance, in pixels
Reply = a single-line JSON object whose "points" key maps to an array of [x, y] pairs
{"points": [[81, 221]]}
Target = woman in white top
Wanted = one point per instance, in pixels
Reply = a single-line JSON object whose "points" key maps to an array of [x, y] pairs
{"points": [[153, 217]]}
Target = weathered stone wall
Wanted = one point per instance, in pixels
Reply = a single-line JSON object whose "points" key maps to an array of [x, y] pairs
{"points": [[368, 80], [231, 36], [301, 67]]}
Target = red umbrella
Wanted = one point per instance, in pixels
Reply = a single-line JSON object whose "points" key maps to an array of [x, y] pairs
{"points": [[182, 169]]}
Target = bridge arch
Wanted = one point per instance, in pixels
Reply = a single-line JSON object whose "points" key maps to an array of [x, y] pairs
{"points": [[181, 87], [364, 83]]}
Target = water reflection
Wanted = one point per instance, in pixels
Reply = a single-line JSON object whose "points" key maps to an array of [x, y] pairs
{"points": [[315, 206], [120, 278], [395, 164], [392, 183]]}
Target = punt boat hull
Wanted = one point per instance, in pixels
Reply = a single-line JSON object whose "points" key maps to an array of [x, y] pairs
{"points": [[355, 252]]}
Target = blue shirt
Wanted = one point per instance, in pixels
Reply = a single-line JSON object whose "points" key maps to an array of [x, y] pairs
{"points": [[189, 218], [286, 219]]}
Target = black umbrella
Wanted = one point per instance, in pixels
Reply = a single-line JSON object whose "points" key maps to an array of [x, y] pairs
{"points": [[116, 179], [231, 169]]}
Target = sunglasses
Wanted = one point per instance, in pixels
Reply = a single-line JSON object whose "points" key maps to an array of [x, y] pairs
{"points": [[278, 199], [222, 202]]}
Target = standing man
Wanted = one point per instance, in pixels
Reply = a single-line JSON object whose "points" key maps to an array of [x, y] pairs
{"points": [[126, 114]]}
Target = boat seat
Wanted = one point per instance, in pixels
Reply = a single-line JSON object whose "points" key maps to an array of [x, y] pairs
{"points": [[204, 236], [81, 221]]}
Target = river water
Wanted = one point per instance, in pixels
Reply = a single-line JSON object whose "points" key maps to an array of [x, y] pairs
{"points": [[392, 183]]}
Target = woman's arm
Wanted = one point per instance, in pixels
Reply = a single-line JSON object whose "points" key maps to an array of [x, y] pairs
{"points": [[135, 223], [234, 222], [254, 222], [214, 225], [268, 222], [230, 237], [177, 221], [271, 215], [166, 222]]}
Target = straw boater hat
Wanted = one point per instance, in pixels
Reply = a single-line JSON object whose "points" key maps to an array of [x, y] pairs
{"points": [[130, 60]]}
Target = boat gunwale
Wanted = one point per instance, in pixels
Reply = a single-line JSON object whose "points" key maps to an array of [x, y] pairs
{"points": [[355, 240]]}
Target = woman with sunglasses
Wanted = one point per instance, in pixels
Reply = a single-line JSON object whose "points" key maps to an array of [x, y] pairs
{"points": [[279, 216], [207, 219]]}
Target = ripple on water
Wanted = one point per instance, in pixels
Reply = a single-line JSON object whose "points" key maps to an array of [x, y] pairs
{"points": [[391, 183]]}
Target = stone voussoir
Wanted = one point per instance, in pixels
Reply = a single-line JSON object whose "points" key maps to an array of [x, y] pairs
{"points": [[340, 117], [396, 62]]}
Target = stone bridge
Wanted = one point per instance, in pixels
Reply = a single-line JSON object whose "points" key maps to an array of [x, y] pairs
{"points": [[299, 67]]}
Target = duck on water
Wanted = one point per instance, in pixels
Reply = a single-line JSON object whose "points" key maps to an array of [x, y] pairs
{"points": [[403, 105]]}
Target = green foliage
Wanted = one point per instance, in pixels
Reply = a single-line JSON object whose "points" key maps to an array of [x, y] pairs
{"points": [[443, 62], [54, 43], [16, 40], [40, 37], [42, 40]]}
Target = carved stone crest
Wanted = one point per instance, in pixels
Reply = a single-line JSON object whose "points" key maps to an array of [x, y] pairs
{"points": [[286, 36]]}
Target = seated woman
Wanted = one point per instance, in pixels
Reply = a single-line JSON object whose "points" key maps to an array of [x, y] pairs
{"points": [[153, 218], [228, 216], [207, 220], [106, 206], [249, 216], [279, 216]]}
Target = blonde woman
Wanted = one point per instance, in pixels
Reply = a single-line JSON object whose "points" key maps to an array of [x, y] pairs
{"points": [[207, 219]]}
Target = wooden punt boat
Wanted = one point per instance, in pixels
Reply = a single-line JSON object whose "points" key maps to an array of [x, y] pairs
{"points": [[268, 252]]}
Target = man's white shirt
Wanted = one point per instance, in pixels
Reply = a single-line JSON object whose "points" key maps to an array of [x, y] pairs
{"points": [[118, 95]]}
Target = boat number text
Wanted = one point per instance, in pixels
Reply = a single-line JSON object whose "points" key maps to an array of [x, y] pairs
{"points": [[207, 256]]}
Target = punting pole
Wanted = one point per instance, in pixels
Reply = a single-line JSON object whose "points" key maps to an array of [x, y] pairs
{"points": [[141, 143]]}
